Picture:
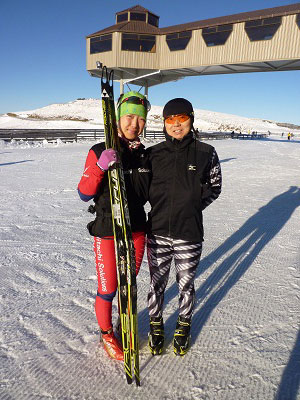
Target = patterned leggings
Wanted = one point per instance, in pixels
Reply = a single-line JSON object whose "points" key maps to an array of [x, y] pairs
{"points": [[161, 251]]}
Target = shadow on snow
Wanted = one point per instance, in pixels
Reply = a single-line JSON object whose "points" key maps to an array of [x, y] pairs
{"points": [[281, 140], [227, 159], [15, 162], [242, 247], [247, 243], [290, 380]]}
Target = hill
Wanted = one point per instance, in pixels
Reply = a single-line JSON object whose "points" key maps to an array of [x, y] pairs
{"points": [[87, 113]]}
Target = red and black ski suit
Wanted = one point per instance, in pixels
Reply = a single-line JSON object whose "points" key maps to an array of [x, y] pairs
{"points": [[94, 185]]}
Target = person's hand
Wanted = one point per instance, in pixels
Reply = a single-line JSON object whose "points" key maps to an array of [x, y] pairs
{"points": [[107, 158]]}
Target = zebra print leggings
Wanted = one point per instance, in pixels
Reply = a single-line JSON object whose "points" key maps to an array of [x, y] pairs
{"points": [[161, 251]]}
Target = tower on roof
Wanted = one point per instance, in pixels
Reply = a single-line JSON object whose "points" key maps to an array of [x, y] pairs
{"points": [[137, 13]]}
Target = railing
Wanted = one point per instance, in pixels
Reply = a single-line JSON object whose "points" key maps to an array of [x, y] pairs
{"points": [[249, 136], [66, 135], [73, 135], [51, 135], [213, 135], [200, 135]]}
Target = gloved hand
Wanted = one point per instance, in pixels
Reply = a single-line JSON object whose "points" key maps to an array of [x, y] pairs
{"points": [[108, 158]]}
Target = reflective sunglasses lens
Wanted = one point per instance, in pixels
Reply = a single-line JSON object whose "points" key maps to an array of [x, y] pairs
{"points": [[180, 118]]}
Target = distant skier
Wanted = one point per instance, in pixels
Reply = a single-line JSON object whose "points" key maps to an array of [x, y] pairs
{"points": [[132, 111], [289, 136], [186, 178]]}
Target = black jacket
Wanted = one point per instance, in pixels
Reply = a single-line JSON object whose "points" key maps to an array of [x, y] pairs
{"points": [[186, 178], [136, 176]]}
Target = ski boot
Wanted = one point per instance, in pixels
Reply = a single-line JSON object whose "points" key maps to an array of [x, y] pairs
{"points": [[111, 345], [182, 336], [156, 335]]}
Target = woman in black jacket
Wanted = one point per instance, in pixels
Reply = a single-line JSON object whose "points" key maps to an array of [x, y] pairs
{"points": [[186, 178]]}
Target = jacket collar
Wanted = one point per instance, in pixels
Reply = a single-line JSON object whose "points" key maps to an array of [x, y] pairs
{"points": [[179, 144], [125, 148]]}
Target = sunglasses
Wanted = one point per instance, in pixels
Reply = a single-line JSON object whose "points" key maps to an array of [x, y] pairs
{"points": [[171, 119], [135, 100]]}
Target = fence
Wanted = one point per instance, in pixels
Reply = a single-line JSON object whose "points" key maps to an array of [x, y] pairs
{"points": [[71, 135], [51, 135], [249, 136]]}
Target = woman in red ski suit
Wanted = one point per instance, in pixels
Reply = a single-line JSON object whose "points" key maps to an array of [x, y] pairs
{"points": [[132, 111]]}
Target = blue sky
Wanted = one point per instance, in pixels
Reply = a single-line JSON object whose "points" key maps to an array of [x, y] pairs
{"points": [[42, 47]]}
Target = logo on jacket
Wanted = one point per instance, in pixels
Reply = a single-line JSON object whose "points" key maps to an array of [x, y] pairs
{"points": [[143, 170], [191, 167], [84, 172]]}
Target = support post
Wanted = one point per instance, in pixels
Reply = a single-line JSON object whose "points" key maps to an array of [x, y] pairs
{"points": [[146, 94]]}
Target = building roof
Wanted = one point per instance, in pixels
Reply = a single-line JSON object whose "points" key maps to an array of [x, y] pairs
{"points": [[143, 27], [129, 27], [235, 18], [137, 8]]}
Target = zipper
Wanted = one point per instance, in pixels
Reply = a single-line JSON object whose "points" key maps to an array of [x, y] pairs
{"points": [[172, 191]]}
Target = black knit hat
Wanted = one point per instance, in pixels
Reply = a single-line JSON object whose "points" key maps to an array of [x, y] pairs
{"points": [[178, 106]]}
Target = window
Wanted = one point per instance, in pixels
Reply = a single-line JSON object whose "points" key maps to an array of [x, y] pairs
{"points": [[102, 43], [133, 42], [122, 17], [216, 35], [152, 19], [298, 20], [137, 17], [178, 41], [262, 29]]}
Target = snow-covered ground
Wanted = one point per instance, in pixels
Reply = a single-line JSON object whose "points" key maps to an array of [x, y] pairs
{"points": [[87, 114], [245, 332]]}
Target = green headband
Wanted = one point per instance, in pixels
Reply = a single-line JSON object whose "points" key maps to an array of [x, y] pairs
{"points": [[128, 107]]}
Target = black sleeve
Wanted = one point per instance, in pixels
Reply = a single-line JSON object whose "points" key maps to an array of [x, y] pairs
{"points": [[213, 184]]}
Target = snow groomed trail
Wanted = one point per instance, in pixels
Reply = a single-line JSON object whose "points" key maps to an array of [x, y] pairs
{"points": [[245, 331]]}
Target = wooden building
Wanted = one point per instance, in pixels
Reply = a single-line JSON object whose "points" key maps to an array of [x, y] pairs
{"points": [[142, 53]]}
